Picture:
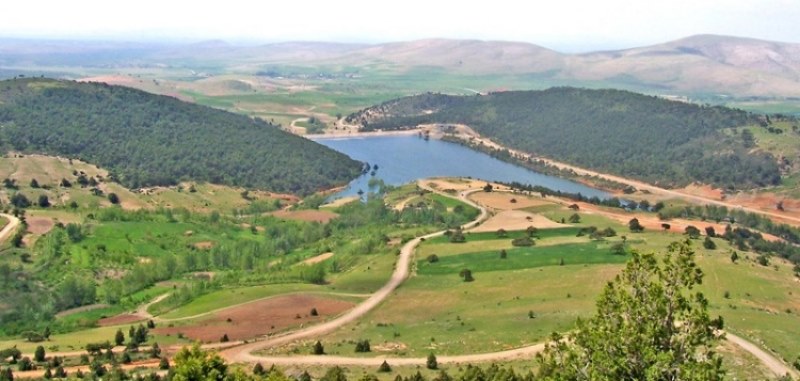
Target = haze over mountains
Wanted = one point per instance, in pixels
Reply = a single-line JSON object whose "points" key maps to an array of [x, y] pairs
{"points": [[701, 64]]}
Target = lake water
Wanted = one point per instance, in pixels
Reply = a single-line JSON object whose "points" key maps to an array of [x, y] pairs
{"points": [[403, 159]]}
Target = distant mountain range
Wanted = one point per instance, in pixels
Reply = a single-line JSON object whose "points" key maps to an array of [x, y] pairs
{"points": [[710, 64]]}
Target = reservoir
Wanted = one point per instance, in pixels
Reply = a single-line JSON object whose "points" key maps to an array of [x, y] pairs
{"points": [[406, 158]]}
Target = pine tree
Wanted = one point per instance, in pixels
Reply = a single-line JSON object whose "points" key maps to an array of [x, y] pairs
{"points": [[647, 326], [119, 337], [39, 354], [432, 363], [258, 369], [318, 349], [155, 351]]}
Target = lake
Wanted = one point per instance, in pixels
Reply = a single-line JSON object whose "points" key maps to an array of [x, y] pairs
{"points": [[406, 158]]}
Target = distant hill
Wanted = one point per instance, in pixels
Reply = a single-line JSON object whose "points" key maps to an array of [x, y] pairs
{"points": [[663, 142], [702, 64], [145, 139]]}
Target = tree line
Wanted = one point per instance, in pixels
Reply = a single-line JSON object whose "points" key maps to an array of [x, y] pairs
{"points": [[148, 140], [652, 139]]}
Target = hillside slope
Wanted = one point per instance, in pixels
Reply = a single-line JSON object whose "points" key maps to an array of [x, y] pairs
{"points": [[147, 140], [652, 139]]}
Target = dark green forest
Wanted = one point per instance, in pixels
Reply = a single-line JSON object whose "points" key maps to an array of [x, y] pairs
{"points": [[146, 140], [659, 141]]}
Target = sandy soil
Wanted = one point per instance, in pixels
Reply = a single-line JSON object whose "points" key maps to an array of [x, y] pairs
{"points": [[322, 216], [261, 317], [10, 228], [503, 200], [204, 245], [442, 184], [317, 259], [516, 220], [340, 201]]}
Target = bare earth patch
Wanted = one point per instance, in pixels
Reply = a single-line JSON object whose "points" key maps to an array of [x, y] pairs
{"points": [[455, 184], [505, 200], [321, 216], [260, 317], [340, 201], [515, 220], [388, 347], [76, 310], [676, 225], [119, 319], [204, 245], [318, 258], [40, 225]]}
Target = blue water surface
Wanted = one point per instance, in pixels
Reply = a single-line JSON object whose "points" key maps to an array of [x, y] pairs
{"points": [[403, 159]]}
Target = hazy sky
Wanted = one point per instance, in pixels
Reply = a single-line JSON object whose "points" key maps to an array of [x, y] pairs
{"points": [[559, 24]]}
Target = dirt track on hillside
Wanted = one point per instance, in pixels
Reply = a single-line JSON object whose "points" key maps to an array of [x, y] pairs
{"points": [[10, 228], [244, 353]]}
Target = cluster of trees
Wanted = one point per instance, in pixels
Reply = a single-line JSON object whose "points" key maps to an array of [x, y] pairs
{"points": [[101, 354], [648, 138], [145, 139], [743, 237], [239, 256], [650, 323]]}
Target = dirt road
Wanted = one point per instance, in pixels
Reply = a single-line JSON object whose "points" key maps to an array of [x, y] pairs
{"points": [[775, 365], [10, 228], [468, 133], [244, 353]]}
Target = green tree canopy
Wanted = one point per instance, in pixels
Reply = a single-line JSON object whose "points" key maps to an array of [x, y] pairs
{"points": [[649, 325]]}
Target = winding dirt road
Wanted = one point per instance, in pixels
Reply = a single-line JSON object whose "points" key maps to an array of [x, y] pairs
{"points": [[244, 353], [10, 228]]}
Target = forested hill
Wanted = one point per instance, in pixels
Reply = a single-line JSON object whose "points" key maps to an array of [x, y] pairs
{"points": [[663, 142], [146, 139]]}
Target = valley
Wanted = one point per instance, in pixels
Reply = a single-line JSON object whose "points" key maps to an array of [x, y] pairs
{"points": [[315, 206]]}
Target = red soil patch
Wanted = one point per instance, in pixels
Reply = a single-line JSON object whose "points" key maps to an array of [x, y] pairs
{"points": [[703, 191], [119, 319], [40, 225], [322, 216], [768, 202], [260, 317]]}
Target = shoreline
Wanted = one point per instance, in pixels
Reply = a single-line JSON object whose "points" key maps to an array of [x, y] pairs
{"points": [[346, 135], [467, 132]]}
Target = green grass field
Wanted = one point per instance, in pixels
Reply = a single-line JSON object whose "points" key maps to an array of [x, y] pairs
{"points": [[522, 258]]}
